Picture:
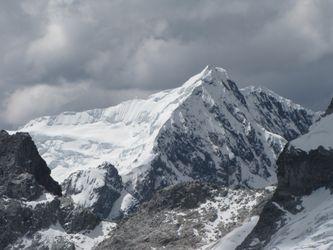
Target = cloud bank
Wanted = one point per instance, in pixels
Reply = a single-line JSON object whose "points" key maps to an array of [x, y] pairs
{"points": [[61, 55]]}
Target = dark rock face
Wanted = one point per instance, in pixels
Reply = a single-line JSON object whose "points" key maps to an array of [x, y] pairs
{"points": [[329, 110], [104, 195], [75, 219], [24, 177], [276, 117], [18, 219], [185, 196], [23, 173], [63, 244], [299, 174]]}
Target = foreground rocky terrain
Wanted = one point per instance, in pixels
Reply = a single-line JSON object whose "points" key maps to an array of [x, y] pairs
{"points": [[187, 216], [30, 199]]}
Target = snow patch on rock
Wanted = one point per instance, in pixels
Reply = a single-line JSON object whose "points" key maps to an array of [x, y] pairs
{"points": [[321, 134]]}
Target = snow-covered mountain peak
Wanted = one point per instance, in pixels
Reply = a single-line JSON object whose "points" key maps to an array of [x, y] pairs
{"points": [[206, 129], [212, 73], [154, 104]]}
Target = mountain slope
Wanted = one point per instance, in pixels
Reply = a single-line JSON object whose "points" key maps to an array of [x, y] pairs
{"points": [[299, 216], [186, 216], [206, 130], [277, 114]]}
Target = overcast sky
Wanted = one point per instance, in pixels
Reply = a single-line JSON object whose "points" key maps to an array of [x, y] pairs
{"points": [[62, 55]]}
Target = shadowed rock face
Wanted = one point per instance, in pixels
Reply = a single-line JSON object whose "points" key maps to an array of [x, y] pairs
{"points": [[18, 219], [23, 173], [300, 173], [102, 192], [24, 177]]}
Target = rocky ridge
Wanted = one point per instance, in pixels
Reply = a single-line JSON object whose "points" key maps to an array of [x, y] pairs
{"points": [[299, 213], [97, 194], [30, 199], [23, 173]]}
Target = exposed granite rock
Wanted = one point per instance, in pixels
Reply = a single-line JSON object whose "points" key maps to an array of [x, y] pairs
{"points": [[19, 219], [147, 227], [24, 177], [181, 196], [300, 173], [23, 173], [58, 243], [75, 219], [62, 243], [100, 187], [277, 117]]}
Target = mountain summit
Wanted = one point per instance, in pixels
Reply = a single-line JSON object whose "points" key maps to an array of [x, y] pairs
{"points": [[212, 73]]}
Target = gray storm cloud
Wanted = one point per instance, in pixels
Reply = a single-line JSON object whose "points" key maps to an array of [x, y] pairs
{"points": [[72, 55]]}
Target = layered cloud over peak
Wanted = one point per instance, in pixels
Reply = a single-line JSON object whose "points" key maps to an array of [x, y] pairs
{"points": [[118, 46]]}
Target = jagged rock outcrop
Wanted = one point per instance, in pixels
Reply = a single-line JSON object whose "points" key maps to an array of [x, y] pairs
{"points": [[75, 219], [18, 219], [25, 178], [23, 173], [279, 116], [300, 173], [95, 188]]}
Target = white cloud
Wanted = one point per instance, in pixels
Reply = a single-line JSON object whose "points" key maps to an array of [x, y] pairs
{"points": [[27, 103], [52, 42], [127, 47], [38, 100], [48, 50], [300, 32]]}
